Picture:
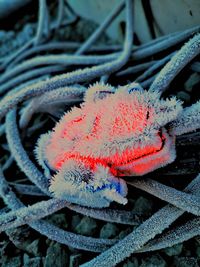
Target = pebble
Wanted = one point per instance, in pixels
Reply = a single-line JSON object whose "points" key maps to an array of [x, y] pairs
{"points": [[124, 233], [56, 256], [87, 226], [74, 260], [109, 230], [143, 205], [21, 238], [59, 220], [174, 251], [154, 261], [31, 262], [131, 263], [12, 262], [185, 262], [191, 82], [184, 96], [198, 252], [34, 248], [75, 221]]}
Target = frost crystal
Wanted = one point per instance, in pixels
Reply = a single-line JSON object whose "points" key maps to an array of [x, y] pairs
{"points": [[114, 132]]}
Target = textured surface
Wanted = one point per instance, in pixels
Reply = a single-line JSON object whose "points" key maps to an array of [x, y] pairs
{"points": [[49, 71]]}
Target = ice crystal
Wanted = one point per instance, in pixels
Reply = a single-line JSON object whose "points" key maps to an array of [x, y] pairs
{"points": [[118, 131]]}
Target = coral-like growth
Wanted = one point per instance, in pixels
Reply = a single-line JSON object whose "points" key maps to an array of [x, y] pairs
{"points": [[131, 141]]}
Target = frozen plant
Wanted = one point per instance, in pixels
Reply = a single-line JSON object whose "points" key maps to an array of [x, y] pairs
{"points": [[93, 145], [139, 136]]}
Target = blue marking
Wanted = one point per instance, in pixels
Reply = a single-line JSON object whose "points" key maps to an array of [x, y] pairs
{"points": [[110, 186], [135, 89]]}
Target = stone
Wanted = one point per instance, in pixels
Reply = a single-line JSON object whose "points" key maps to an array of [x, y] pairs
{"points": [[31, 262], [174, 251], [130, 263], [12, 262], [185, 262], [184, 96], [154, 261], [56, 256], [74, 260], [109, 230], [143, 205], [33, 247], [59, 220], [192, 81], [87, 226]]}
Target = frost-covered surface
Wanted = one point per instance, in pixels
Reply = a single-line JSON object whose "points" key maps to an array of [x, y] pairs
{"points": [[188, 120], [86, 143], [31, 187]]}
